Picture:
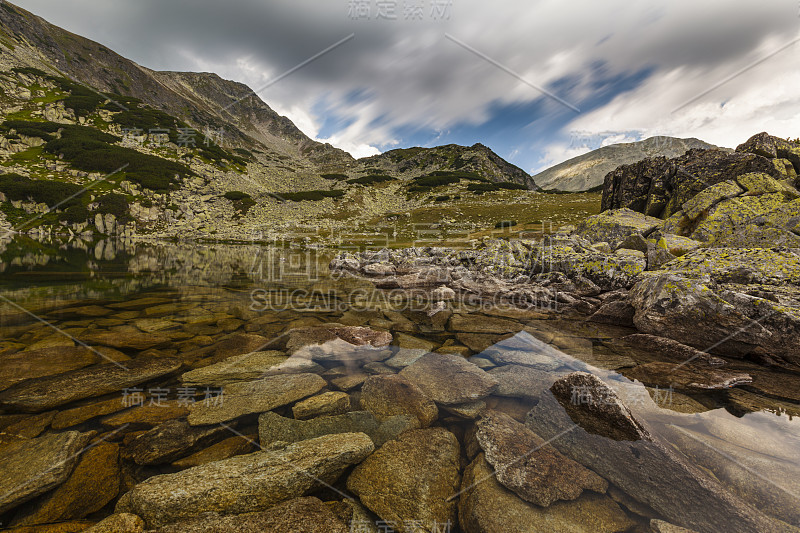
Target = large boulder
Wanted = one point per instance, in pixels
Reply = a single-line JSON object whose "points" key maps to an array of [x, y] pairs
{"points": [[659, 187], [410, 481], [615, 226], [246, 483], [698, 305]]}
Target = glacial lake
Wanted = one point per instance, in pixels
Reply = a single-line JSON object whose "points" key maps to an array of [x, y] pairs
{"points": [[203, 303]]}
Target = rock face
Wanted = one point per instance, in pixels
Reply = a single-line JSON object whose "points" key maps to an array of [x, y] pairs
{"points": [[246, 483], [528, 466], [647, 470], [241, 399], [485, 506], [708, 315], [391, 395], [300, 515], [94, 482], [409, 480], [449, 379], [33, 467], [273, 427], [45, 393], [658, 187]]}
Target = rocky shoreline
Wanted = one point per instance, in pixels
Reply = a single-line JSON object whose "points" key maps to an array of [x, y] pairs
{"points": [[720, 272]]}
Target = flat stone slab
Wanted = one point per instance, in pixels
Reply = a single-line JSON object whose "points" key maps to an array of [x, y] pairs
{"points": [[273, 427], [239, 399], [306, 515], [45, 393], [325, 404], [486, 506], [35, 466], [248, 367], [391, 395], [686, 376], [449, 379], [246, 483], [170, 440], [528, 466]]}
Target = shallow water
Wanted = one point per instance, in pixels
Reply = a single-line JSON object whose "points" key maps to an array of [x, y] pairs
{"points": [[204, 303]]}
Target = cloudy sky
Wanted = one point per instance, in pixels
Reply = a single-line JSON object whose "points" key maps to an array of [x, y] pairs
{"points": [[538, 81]]}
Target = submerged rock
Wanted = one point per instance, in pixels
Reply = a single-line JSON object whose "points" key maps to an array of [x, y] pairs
{"points": [[241, 399], [391, 395], [41, 394], [35, 466], [685, 376], [170, 440], [94, 482], [449, 379], [325, 404], [299, 515], [485, 506], [409, 480], [248, 367], [246, 483], [644, 468], [528, 466], [273, 427]]}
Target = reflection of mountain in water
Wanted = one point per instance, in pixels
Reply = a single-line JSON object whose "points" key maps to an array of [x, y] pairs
{"points": [[115, 267]]}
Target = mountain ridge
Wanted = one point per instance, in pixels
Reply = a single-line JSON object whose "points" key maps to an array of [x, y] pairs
{"points": [[587, 171]]}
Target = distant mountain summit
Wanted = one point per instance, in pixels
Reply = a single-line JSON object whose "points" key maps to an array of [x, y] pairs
{"points": [[587, 171]]}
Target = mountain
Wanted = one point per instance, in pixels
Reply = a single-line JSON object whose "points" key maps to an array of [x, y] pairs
{"points": [[189, 154], [587, 171]]}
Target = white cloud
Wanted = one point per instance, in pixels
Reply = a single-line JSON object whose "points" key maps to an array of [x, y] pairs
{"points": [[418, 79]]}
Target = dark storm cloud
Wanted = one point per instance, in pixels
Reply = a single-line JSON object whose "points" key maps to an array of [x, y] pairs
{"points": [[413, 76]]}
